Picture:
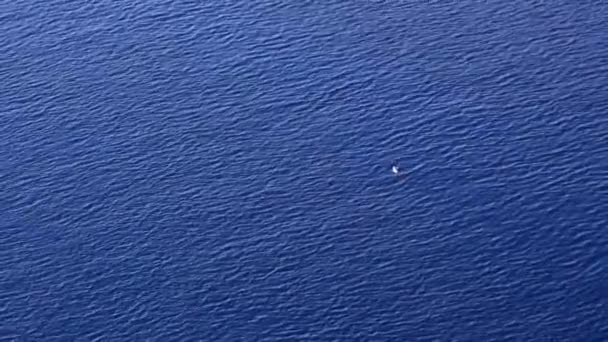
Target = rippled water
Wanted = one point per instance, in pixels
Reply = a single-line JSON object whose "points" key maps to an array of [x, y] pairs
{"points": [[220, 170]]}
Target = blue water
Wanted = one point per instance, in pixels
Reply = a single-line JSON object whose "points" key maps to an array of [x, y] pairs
{"points": [[220, 170]]}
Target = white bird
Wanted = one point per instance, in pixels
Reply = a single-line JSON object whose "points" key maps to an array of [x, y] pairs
{"points": [[395, 169]]}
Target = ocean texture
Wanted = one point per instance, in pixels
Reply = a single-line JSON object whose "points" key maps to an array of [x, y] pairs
{"points": [[221, 170]]}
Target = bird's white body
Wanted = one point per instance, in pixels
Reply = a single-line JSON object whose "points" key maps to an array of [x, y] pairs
{"points": [[395, 169]]}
